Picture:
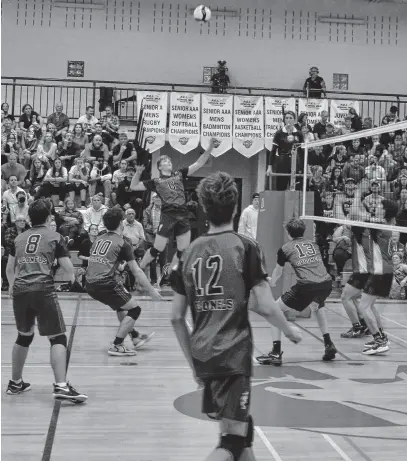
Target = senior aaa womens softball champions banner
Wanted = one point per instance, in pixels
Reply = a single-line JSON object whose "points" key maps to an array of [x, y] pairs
{"points": [[185, 115], [154, 116], [248, 124], [340, 110], [313, 108], [274, 116], [217, 122]]}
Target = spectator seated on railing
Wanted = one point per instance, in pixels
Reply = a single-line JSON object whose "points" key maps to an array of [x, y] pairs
{"points": [[96, 149], [314, 85], [60, 120], [88, 120], [72, 222], [94, 214], [78, 179], [391, 116], [100, 178], [54, 184], [12, 168], [30, 118], [124, 150], [67, 151]]}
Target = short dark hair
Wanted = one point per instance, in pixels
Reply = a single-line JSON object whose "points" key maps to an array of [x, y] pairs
{"points": [[38, 211], [218, 194], [295, 228], [112, 218], [89, 107], [12, 176], [161, 158], [390, 209]]}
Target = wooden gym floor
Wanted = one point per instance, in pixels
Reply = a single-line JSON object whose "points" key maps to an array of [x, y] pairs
{"points": [[147, 408]]}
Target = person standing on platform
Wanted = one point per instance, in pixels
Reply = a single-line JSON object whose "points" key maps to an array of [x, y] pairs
{"points": [[249, 217]]}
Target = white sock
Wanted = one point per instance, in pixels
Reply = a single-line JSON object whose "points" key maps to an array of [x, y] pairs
{"points": [[61, 384], [17, 381]]}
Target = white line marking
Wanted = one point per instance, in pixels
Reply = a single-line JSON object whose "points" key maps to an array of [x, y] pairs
{"points": [[394, 336], [338, 449], [267, 443], [393, 321], [151, 367]]}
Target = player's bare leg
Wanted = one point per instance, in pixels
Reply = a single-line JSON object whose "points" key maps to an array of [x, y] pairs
{"points": [[380, 342], [183, 242], [160, 243], [127, 316], [275, 356], [138, 339], [320, 314], [18, 358], [350, 302]]}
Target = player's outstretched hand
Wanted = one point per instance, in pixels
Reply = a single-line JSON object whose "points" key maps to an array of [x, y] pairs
{"points": [[155, 295], [295, 335], [140, 169], [10, 291]]}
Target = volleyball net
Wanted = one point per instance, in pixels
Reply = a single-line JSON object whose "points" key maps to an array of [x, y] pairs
{"points": [[358, 178]]}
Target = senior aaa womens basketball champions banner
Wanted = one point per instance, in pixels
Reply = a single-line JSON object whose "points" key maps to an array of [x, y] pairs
{"points": [[217, 122], [340, 110], [248, 124], [313, 108], [274, 116], [154, 117], [185, 115]]}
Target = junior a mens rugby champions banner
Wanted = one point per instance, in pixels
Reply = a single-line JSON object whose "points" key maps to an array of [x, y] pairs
{"points": [[155, 107], [217, 122], [340, 110], [274, 116], [313, 107], [248, 124], [185, 115]]}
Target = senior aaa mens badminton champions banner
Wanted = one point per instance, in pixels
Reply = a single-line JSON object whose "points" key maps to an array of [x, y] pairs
{"points": [[274, 116], [217, 122], [248, 124], [313, 107], [154, 117], [340, 110], [185, 116]]}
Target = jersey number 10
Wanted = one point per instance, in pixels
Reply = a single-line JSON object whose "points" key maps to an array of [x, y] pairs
{"points": [[215, 265]]}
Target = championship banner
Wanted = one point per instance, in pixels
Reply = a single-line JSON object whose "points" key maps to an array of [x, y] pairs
{"points": [[217, 122], [248, 124], [340, 110], [185, 115], [153, 107], [274, 116], [313, 108]]}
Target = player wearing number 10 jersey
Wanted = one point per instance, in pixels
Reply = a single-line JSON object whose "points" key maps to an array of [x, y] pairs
{"points": [[313, 286], [215, 277]]}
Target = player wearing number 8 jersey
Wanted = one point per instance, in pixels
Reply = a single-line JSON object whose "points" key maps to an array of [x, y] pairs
{"points": [[313, 287], [29, 272], [216, 276]]}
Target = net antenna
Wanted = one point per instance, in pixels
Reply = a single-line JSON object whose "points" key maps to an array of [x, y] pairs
{"points": [[371, 197]]}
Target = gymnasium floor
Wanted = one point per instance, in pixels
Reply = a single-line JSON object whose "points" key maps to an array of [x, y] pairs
{"points": [[146, 408]]}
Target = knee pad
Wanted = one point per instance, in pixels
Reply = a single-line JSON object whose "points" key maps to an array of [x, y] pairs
{"points": [[154, 252], [235, 444], [134, 313], [314, 306], [250, 433], [60, 339], [24, 340], [179, 254]]}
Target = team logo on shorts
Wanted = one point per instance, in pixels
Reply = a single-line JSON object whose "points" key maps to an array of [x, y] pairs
{"points": [[244, 400], [216, 143], [248, 143], [150, 139], [183, 141]]}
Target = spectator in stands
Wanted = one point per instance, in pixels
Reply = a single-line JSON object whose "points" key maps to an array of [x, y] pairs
{"points": [[345, 198], [94, 214], [37, 175], [357, 124], [399, 184], [13, 147], [318, 182], [374, 170], [72, 222], [78, 178], [88, 120], [307, 134], [120, 174], [6, 115], [374, 200], [249, 217], [303, 121], [134, 231], [391, 116], [389, 165], [96, 149], [107, 138], [397, 149], [52, 129], [314, 86], [402, 201], [6, 130], [29, 143], [399, 287], [12, 168], [124, 150], [60, 120], [66, 150], [320, 127], [55, 183], [101, 176], [387, 139], [110, 122], [343, 248], [47, 147], [9, 197], [113, 202], [356, 148], [339, 157], [346, 129], [336, 183], [123, 191], [80, 138], [21, 208], [353, 169], [30, 117]]}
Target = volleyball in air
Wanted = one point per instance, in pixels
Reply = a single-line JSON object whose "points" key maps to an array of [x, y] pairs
{"points": [[202, 13]]}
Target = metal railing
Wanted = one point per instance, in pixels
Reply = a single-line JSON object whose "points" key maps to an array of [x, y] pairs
{"points": [[77, 94]]}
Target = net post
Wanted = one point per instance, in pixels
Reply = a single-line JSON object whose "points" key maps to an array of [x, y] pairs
{"points": [[304, 184]]}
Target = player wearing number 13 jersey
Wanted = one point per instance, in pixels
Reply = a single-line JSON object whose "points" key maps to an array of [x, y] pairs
{"points": [[313, 286], [215, 277]]}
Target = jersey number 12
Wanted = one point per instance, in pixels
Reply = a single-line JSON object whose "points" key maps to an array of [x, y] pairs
{"points": [[215, 265]]}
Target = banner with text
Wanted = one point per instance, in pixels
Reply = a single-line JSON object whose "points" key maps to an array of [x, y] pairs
{"points": [[248, 124], [313, 108], [274, 116], [217, 122], [154, 117], [340, 110], [185, 115]]}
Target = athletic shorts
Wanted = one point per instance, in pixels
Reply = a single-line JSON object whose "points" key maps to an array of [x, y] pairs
{"points": [[41, 305], [379, 285], [174, 221], [358, 281], [115, 296], [227, 397], [300, 296]]}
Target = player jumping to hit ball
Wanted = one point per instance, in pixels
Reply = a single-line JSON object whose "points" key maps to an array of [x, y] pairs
{"points": [[174, 214]]}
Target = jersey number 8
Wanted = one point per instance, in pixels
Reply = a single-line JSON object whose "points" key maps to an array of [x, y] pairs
{"points": [[33, 242], [215, 265]]}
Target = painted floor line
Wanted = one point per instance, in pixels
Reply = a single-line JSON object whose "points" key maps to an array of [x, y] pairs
{"points": [[268, 444], [338, 449], [394, 336], [394, 321]]}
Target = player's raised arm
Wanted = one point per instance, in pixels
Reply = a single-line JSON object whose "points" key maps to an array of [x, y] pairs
{"points": [[202, 160], [135, 184], [278, 271]]}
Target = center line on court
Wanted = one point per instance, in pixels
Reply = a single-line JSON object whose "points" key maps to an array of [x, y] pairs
{"points": [[338, 449]]}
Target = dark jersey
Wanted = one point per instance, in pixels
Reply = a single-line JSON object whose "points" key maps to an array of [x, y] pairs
{"points": [[306, 260], [35, 251], [216, 274], [107, 253], [170, 189], [361, 251]]}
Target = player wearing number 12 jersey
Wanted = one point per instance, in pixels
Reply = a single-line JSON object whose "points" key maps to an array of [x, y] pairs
{"points": [[313, 287], [215, 277]]}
